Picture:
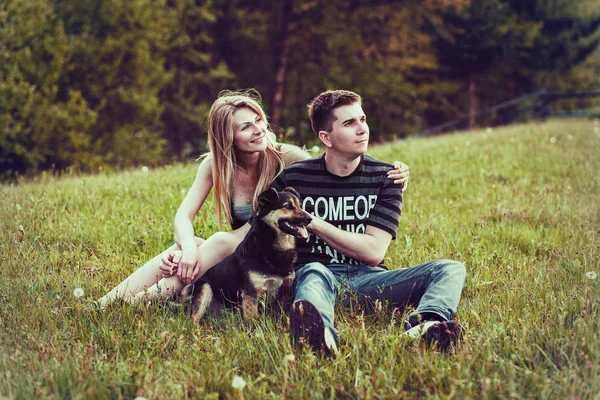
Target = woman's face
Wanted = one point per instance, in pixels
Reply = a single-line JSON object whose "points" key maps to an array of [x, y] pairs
{"points": [[249, 131]]}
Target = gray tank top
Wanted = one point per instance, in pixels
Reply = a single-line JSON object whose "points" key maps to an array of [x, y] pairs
{"points": [[243, 212]]}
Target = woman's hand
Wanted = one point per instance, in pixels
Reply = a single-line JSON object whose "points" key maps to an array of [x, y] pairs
{"points": [[169, 263], [189, 264], [400, 174]]}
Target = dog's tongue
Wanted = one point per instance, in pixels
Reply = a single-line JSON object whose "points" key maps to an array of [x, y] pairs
{"points": [[302, 231]]}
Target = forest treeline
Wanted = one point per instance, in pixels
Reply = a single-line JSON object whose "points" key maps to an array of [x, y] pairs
{"points": [[118, 83]]}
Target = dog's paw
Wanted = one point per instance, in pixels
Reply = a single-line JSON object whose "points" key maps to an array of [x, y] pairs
{"points": [[249, 307]]}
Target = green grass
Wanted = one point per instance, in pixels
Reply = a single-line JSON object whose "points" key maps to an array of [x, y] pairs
{"points": [[520, 206]]}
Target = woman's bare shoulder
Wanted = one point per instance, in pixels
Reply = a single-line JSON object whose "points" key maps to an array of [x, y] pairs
{"points": [[292, 153]]}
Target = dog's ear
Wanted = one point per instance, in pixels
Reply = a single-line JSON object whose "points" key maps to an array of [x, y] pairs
{"points": [[266, 200], [292, 191]]}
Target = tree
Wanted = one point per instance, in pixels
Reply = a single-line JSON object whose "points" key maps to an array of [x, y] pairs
{"points": [[503, 49], [117, 64], [38, 129], [471, 38], [567, 37], [195, 75], [359, 46]]}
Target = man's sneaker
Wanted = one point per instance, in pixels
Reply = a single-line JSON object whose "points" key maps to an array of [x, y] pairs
{"points": [[444, 334], [307, 327]]}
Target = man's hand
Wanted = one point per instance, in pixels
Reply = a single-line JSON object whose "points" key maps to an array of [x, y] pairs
{"points": [[189, 264], [400, 174]]}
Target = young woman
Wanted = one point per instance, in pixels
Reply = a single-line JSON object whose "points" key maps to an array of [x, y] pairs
{"points": [[243, 160]]}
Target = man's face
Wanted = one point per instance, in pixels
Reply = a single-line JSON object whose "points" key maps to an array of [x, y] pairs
{"points": [[350, 133]]}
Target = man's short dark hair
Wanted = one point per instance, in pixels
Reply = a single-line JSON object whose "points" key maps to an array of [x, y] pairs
{"points": [[320, 109]]}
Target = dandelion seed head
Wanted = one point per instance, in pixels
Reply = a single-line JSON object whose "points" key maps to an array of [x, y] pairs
{"points": [[597, 129], [552, 139], [18, 206], [315, 149], [591, 275], [489, 130], [238, 382], [290, 358], [145, 169], [78, 292]]}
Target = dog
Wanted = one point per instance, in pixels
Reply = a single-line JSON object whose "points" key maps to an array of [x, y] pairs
{"points": [[263, 263]]}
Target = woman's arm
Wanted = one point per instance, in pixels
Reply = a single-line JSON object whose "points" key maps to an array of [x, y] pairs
{"points": [[292, 153], [184, 230], [400, 174]]}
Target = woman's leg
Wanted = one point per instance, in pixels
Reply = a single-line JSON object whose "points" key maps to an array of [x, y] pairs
{"points": [[212, 251], [142, 278]]}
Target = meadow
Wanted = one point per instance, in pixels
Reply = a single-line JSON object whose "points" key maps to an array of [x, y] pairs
{"points": [[519, 206]]}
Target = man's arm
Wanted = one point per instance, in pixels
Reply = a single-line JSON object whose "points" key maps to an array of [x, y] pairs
{"points": [[369, 247]]}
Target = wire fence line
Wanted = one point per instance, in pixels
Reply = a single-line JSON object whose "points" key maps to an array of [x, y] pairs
{"points": [[534, 105]]}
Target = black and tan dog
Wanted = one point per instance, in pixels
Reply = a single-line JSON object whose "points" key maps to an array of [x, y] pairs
{"points": [[261, 264]]}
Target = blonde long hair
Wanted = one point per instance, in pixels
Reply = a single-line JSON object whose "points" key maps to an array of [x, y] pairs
{"points": [[222, 151]]}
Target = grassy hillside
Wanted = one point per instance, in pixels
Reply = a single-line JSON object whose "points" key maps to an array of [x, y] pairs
{"points": [[520, 206]]}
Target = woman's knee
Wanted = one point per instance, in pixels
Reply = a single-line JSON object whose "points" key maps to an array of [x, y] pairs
{"points": [[223, 242]]}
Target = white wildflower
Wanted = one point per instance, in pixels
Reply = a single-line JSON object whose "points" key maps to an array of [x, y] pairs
{"points": [[591, 275], [78, 292], [18, 207], [238, 382], [145, 169], [290, 358]]}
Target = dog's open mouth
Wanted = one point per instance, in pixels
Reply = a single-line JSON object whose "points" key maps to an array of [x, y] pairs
{"points": [[295, 229]]}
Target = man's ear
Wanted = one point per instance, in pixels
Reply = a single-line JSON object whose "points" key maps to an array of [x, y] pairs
{"points": [[266, 200], [324, 136]]}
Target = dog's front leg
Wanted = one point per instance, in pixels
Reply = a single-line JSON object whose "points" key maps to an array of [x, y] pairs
{"points": [[249, 306], [285, 293]]}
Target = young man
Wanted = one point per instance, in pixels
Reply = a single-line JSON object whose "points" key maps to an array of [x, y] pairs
{"points": [[357, 210]]}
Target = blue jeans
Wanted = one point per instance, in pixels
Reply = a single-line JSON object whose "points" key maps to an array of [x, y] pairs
{"points": [[433, 287]]}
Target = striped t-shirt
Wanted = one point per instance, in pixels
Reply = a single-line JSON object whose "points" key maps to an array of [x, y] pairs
{"points": [[365, 197]]}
